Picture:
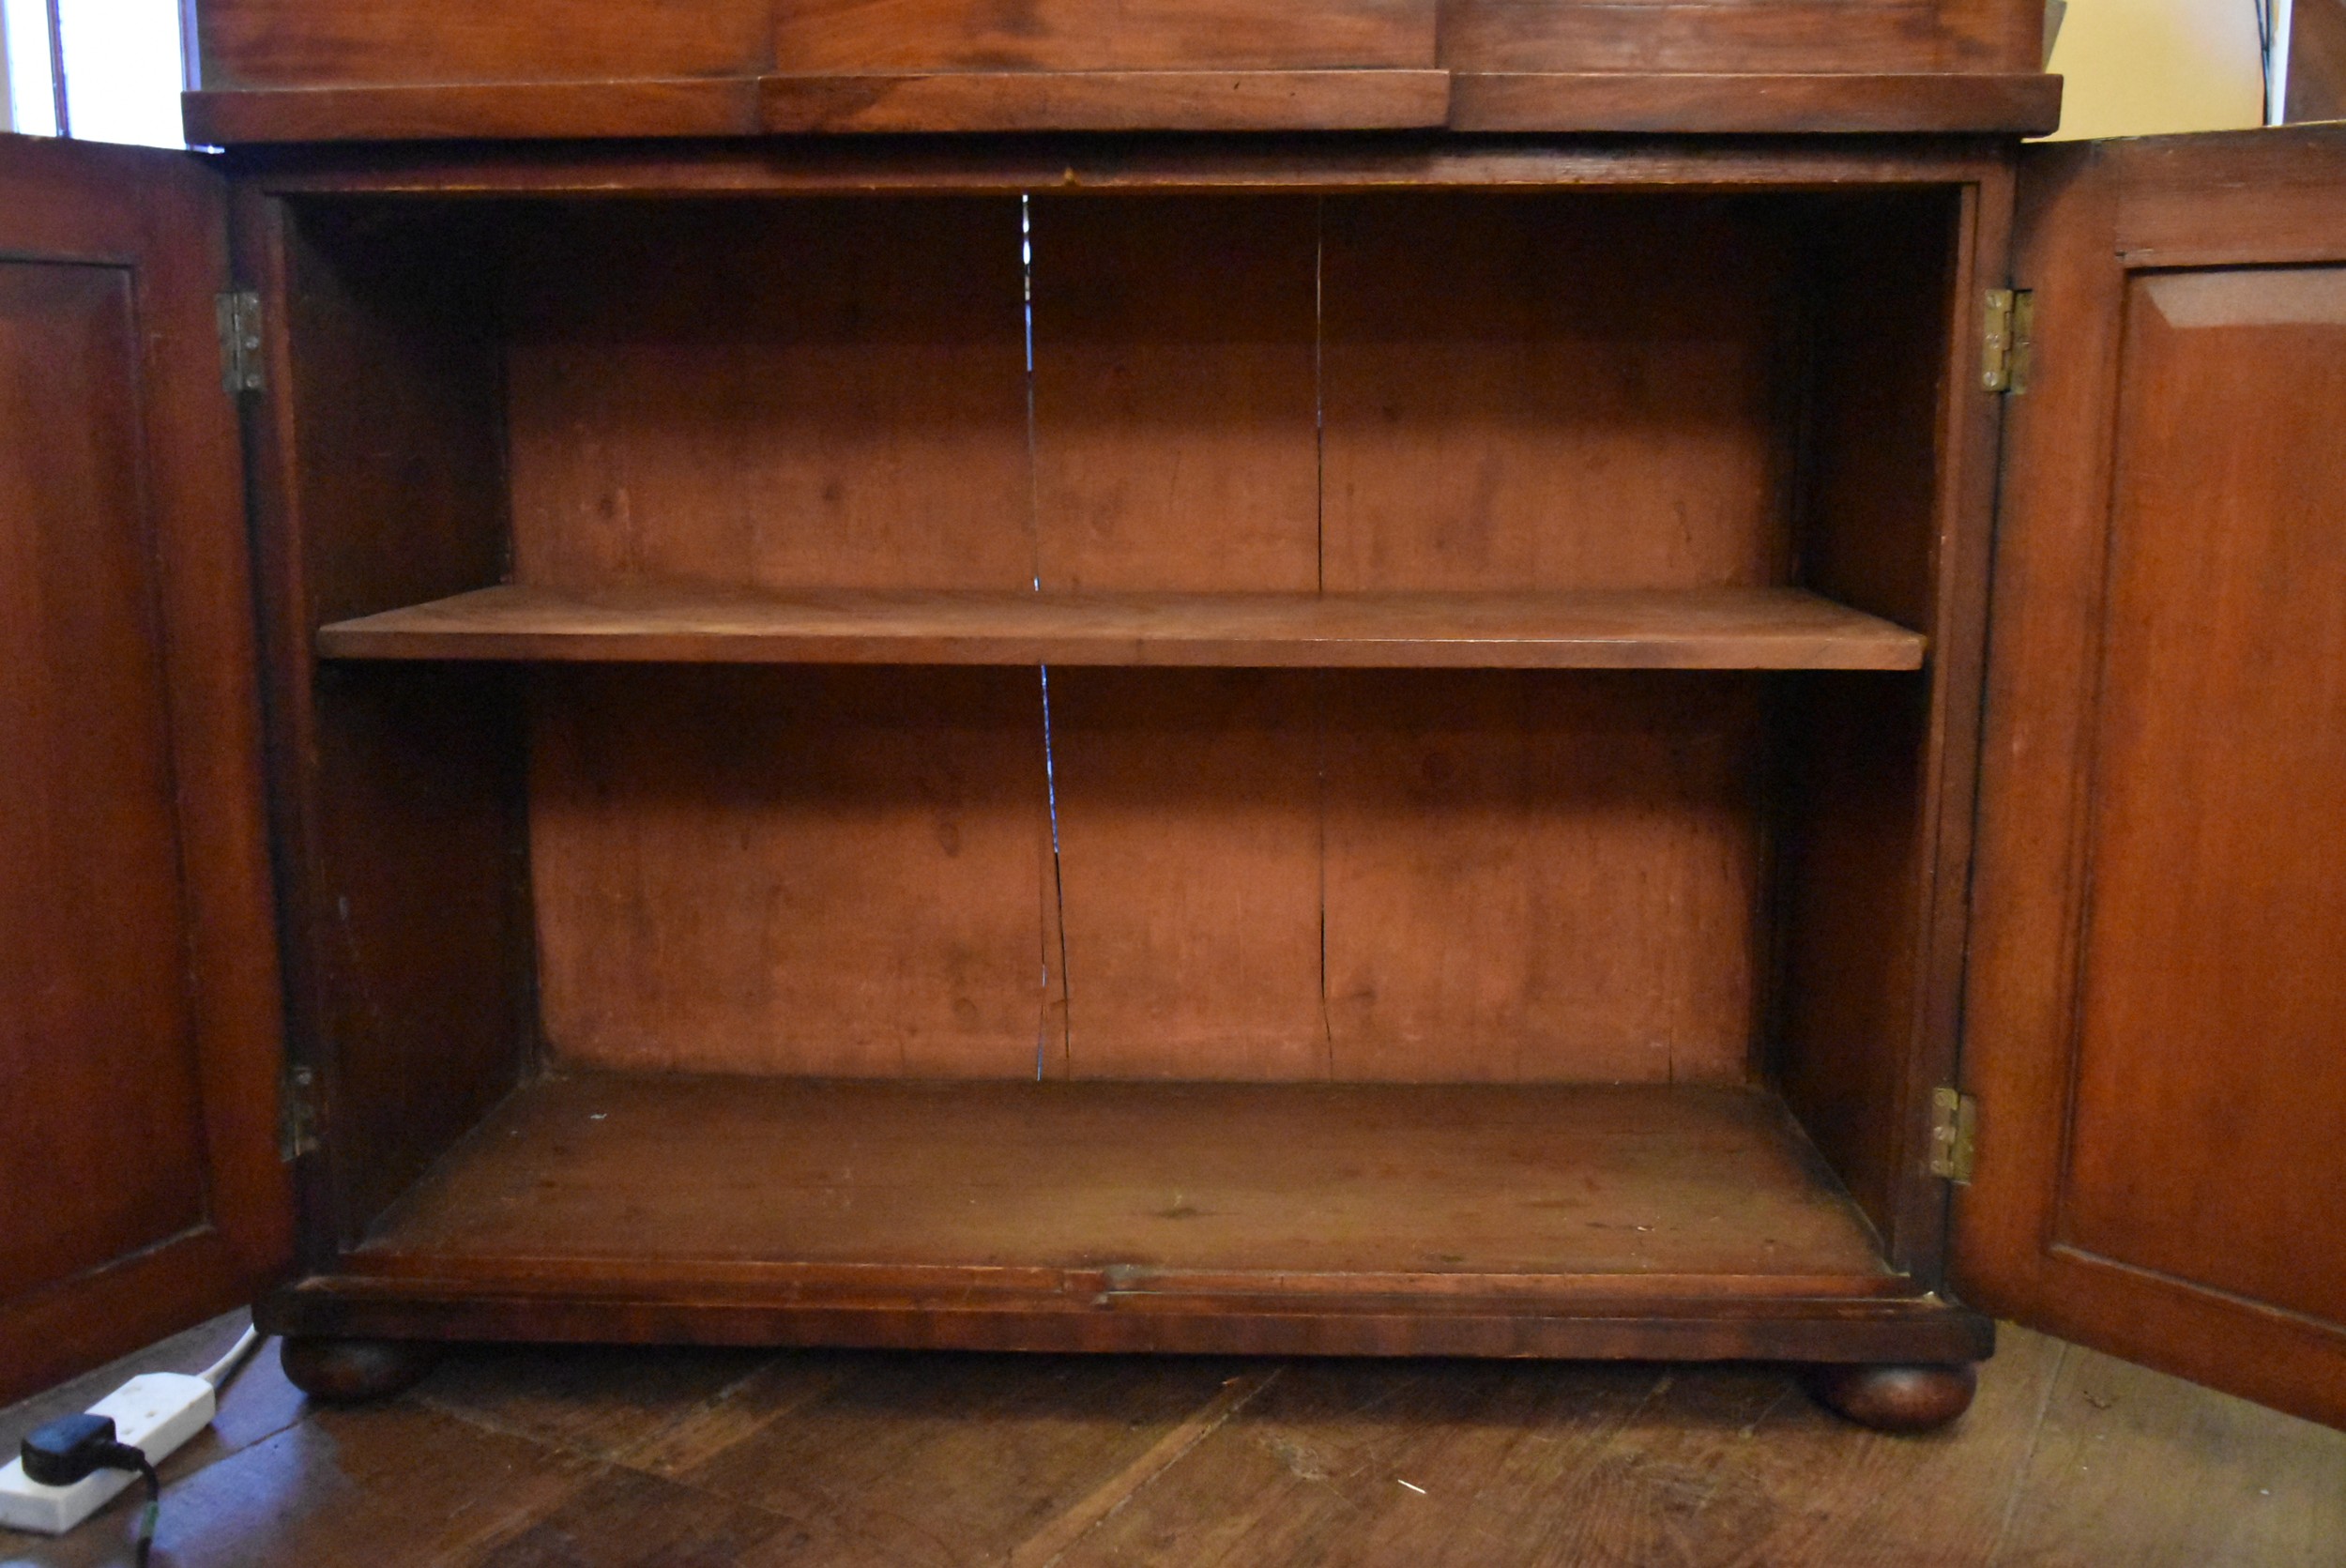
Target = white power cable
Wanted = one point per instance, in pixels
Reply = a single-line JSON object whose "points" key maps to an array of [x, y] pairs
{"points": [[222, 1369]]}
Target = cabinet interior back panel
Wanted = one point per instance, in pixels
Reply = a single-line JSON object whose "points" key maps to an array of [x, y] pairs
{"points": [[1240, 875], [1176, 393], [795, 394], [1445, 876], [1555, 392], [830, 871]]}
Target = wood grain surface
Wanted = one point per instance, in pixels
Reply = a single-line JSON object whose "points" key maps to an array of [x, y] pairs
{"points": [[287, 43], [1748, 101], [1008, 166], [428, 68], [1678, 38], [140, 1012], [1356, 1190], [1553, 392], [1568, 441], [1099, 100], [1533, 878], [397, 794], [1719, 629], [2156, 911], [1792, 100], [1176, 405], [829, 871], [1189, 810], [2217, 839], [803, 395], [2317, 61], [627, 1458], [1073, 35]]}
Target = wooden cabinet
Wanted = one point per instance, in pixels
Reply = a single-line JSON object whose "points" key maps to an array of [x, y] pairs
{"points": [[1355, 744]]}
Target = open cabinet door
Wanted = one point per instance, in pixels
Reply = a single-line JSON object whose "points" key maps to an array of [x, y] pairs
{"points": [[140, 1188], [2156, 1020]]}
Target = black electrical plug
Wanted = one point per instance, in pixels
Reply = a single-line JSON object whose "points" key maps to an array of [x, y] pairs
{"points": [[71, 1448]]}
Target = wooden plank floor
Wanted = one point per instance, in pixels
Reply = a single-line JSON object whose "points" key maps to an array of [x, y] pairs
{"points": [[684, 1458]]}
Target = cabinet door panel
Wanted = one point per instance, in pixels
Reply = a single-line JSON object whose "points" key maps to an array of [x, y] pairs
{"points": [[2156, 1027], [138, 1022]]}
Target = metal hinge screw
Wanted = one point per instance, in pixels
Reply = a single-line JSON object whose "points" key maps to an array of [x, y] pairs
{"points": [[297, 1114], [1954, 1121], [239, 318], [2007, 340]]}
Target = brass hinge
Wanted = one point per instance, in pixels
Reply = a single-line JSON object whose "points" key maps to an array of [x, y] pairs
{"points": [[1954, 1117], [2007, 340], [296, 1114], [239, 319]]}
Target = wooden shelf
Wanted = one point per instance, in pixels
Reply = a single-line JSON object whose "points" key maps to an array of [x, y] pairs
{"points": [[1540, 1193], [1692, 628]]}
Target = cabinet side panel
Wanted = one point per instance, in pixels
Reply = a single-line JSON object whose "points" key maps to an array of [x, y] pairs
{"points": [[1553, 392], [1852, 866], [792, 394], [1856, 889], [382, 485], [832, 872]]}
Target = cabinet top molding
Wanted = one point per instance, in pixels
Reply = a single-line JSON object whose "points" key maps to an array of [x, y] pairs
{"points": [[278, 71]]}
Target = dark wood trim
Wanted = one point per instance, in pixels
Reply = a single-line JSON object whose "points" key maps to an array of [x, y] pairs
{"points": [[52, 1335], [1069, 164], [2026, 102], [257, 248], [1970, 421], [1921, 1329]]}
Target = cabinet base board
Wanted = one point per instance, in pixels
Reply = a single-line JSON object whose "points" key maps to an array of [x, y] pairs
{"points": [[1919, 1329]]}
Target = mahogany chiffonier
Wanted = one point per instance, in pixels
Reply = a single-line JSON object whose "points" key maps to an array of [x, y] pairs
{"points": [[1487, 678]]}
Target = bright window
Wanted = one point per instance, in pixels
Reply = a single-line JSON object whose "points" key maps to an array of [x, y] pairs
{"points": [[123, 68]]}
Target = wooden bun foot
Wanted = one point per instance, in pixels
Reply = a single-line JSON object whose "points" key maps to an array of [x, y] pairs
{"points": [[1894, 1398], [345, 1370]]}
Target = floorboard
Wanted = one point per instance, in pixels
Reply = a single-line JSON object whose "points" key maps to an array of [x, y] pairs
{"points": [[612, 1459]]}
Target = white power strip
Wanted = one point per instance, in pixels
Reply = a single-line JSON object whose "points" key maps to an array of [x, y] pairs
{"points": [[154, 1413]]}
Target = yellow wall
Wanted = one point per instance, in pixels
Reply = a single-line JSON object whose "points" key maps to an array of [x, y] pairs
{"points": [[2137, 68]]}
